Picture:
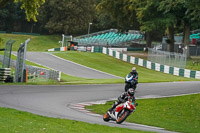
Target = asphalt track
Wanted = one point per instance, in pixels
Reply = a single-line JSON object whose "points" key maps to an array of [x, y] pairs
{"points": [[57, 101], [66, 66]]}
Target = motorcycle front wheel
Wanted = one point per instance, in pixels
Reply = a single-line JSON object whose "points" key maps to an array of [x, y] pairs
{"points": [[106, 117], [123, 114]]}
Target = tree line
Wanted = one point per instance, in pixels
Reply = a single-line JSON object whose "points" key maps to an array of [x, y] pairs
{"points": [[155, 17]]}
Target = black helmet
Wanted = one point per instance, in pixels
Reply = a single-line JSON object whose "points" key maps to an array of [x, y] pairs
{"points": [[131, 92]]}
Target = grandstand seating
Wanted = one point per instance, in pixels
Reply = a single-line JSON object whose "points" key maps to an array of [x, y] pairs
{"points": [[195, 36], [108, 37]]}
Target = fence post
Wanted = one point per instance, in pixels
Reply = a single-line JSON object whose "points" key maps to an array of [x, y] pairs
{"points": [[20, 64], [7, 53]]}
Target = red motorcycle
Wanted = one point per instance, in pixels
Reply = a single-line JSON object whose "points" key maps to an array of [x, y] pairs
{"points": [[121, 112]]}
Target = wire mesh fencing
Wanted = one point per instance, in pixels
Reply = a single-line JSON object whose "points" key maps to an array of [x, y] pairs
{"points": [[167, 58], [37, 72]]}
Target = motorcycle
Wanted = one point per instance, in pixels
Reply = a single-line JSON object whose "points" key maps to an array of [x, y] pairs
{"points": [[121, 112], [130, 82]]}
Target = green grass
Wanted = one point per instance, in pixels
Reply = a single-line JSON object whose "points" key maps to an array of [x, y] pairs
{"points": [[67, 79], [192, 66], [37, 43], [13, 121], [27, 62], [176, 113], [117, 67]]}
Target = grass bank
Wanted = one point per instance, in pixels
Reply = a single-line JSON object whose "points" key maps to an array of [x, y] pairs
{"points": [[67, 79], [37, 43], [117, 67], [13, 121], [179, 113]]}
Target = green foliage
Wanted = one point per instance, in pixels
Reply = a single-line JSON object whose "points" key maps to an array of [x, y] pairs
{"points": [[67, 16], [30, 7], [1, 42], [149, 15], [11, 17], [120, 12], [176, 113]]}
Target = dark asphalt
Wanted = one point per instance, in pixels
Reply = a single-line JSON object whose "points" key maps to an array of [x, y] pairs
{"points": [[54, 101], [66, 66]]}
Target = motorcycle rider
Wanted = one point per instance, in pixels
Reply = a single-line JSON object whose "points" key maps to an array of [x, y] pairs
{"points": [[123, 98], [134, 83]]}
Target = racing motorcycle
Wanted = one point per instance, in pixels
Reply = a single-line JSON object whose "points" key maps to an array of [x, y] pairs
{"points": [[130, 82], [121, 112]]}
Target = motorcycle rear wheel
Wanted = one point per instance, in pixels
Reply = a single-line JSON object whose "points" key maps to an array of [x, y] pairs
{"points": [[106, 117], [122, 116]]}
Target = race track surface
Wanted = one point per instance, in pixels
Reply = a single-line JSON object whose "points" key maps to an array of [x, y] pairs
{"points": [[56, 101], [66, 66]]}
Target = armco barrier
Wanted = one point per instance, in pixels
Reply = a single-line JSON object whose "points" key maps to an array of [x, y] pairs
{"points": [[23, 33], [153, 66], [2, 31], [58, 49]]}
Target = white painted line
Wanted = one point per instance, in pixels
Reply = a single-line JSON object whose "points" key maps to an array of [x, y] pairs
{"points": [[94, 114], [139, 125], [38, 64], [157, 96], [77, 108], [86, 66]]}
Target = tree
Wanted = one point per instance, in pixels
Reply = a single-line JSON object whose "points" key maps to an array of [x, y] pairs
{"points": [[119, 11], [67, 16], [12, 18], [152, 18], [186, 12], [30, 7]]}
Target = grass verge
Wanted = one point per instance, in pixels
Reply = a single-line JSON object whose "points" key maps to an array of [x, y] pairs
{"points": [[67, 79], [37, 43], [13, 121], [179, 113], [117, 67]]}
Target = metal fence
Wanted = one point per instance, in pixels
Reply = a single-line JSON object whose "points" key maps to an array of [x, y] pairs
{"points": [[167, 58], [21, 58], [37, 71], [7, 54]]}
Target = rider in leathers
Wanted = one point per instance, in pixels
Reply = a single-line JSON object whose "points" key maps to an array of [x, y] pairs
{"points": [[123, 98], [133, 73]]}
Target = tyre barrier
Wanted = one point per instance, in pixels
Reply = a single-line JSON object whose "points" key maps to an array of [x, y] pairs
{"points": [[5, 75]]}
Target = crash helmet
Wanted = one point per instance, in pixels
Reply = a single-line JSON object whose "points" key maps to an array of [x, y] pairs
{"points": [[134, 70], [131, 92]]}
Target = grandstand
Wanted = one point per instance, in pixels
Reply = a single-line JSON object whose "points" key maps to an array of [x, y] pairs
{"points": [[109, 38], [195, 36]]}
